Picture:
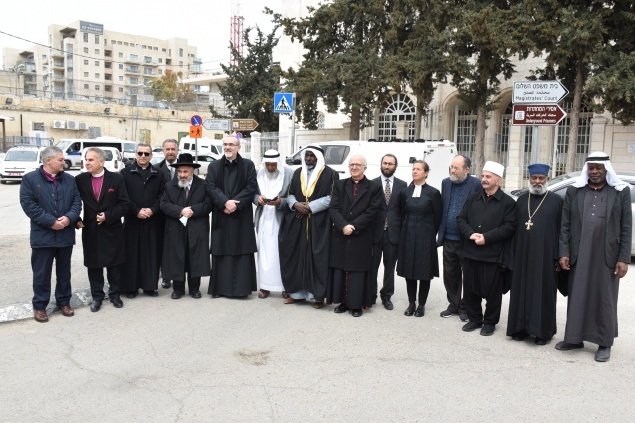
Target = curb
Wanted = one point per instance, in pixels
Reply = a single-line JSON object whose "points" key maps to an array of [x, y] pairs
{"points": [[24, 311]]}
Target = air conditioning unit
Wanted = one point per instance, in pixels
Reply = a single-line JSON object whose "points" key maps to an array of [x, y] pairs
{"points": [[72, 124], [83, 126], [58, 124], [37, 126]]}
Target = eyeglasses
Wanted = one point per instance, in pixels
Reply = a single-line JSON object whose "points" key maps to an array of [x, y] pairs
{"points": [[229, 144], [356, 165], [143, 153], [388, 164]]}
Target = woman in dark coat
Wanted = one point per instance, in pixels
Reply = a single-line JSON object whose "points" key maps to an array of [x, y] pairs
{"points": [[421, 209]]}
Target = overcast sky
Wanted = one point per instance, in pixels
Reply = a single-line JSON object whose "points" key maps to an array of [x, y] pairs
{"points": [[205, 24]]}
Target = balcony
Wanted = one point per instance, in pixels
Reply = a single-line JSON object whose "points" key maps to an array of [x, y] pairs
{"points": [[131, 60], [134, 71]]}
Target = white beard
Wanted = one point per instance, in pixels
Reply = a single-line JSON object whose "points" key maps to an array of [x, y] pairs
{"points": [[184, 184], [539, 189]]}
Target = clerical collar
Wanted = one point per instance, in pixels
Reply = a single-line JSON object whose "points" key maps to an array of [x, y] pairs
{"points": [[98, 175]]}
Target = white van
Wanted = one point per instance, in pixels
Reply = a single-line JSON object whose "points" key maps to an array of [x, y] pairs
{"points": [[73, 148], [113, 160], [18, 161], [438, 154]]}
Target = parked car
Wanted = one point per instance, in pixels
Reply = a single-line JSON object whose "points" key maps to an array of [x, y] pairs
{"points": [[113, 160], [18, 161], [560, 184], [203, 159]]}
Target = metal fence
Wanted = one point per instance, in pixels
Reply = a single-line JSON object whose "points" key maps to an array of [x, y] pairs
{"points": [[12, 141]]}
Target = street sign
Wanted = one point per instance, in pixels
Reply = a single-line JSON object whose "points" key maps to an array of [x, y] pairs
{"points": [[196, 120], [537, 114], [538, 92], [282, 102], [244, 124], [196, 132], [216, 124]]}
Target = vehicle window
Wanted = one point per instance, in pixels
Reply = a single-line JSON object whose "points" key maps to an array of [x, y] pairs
{"points": [[213, 149], [335, 154], [186, 146], [129, 147], [108, 154], [21, 156], [561, 191]]}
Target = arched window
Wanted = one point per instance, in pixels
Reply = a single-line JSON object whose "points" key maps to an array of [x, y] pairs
{"points": [[397, 108]]}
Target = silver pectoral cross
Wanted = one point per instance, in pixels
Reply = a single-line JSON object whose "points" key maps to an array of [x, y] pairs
{"points": [[529, 224]]}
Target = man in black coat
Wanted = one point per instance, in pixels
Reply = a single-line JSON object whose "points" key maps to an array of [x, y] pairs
{"points": [[354, 207], [105, 204], [186, 206], [143, 224], [455, 190], [387, 229], [487, 223], [170, 153]]}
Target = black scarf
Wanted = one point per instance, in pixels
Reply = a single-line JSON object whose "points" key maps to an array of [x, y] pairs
{"points": [[240, 181]]}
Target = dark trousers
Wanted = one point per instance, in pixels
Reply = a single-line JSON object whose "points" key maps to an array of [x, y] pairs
{"points": [[193, 284], [389, 252], [453, 274], [424, 290], [483, 280], [42, 266], [96, 279]]}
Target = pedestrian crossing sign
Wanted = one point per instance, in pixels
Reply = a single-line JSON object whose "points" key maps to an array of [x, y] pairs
{"points": [[283, 102]]}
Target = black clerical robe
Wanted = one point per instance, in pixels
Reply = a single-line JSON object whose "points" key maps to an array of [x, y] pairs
{"points": [[532, 304], [304, 243]]}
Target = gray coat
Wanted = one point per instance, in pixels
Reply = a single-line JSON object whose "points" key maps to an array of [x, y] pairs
{"points": [[284, 192]]}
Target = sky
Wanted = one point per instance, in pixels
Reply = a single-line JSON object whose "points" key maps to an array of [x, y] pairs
{"points": [[204, 23]]}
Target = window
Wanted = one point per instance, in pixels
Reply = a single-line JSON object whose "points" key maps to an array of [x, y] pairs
{"points": [[397, 108], [97, 87], [85, 74], [134, 57], [97, 51], [113, 42], [120, 65], [85, 86], [465, 132], [160, 60], [97, 76], [126, 44], [96, 39], [96, 62], [85, 37], [119, 43], [121, 55], [144, 47], [121, 78], [134, 80], [120, 89], [180, 52], [44, 58], [147, 71], [147, 59], [86, 61], [85, 49]]}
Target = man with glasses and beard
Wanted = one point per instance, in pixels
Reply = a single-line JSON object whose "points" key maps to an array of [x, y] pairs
{"points": [[186, 206], [532, 304], [143, 224]]}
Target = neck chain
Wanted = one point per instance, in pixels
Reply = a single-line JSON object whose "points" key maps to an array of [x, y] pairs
{"points": [[529, 223]]}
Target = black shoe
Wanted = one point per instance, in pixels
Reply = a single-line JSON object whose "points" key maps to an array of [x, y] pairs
{"points": [[176, 295], [542, 341], [449, 312], [150, 293], [421, 310], [471, 326], [342, 308], [195, 294], [488, 330], [463, 316], [519, 336], [357, 312], [387, 304], [165, 284], [95, 306], [116, 301], [565, 346], [410, 310], [131, 294], [215, 295], [603, 354]]}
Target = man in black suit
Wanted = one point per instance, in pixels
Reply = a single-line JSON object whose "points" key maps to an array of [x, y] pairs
{"points": [[105, 203], [388, 229], [455, 190], [595, 246], [170, 152]]}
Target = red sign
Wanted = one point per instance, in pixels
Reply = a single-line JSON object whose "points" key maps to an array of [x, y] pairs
{"points": [[537, 114], [196, 132]]}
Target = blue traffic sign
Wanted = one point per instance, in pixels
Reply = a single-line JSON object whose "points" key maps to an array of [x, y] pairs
{"points": [[283, 102], [196, 120]]}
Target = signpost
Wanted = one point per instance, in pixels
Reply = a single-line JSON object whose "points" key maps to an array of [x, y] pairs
{"points": [[537, 114], [285, 103], [538, 92], [216, 124], [196, 120], [196, 132], [244, 124]]}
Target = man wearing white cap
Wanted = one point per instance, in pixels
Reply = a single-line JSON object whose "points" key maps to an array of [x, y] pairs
{"points": [[597, 256], [487, 224], [273, 185]]}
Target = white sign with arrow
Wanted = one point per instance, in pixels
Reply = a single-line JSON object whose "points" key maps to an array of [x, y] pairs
{"points": [[538, 92], [216, 124]]}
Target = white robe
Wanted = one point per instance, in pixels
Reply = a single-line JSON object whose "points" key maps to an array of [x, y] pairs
{"points": [[267, 237]]}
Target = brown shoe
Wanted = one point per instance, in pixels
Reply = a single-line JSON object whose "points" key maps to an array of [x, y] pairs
{"points": [[290, 301], [318, 305], [67, 311], [40, 316], [263, 293]]}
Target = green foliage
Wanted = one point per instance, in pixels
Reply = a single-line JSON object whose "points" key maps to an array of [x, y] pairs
{"points": [[249, 88], [169, 88]]}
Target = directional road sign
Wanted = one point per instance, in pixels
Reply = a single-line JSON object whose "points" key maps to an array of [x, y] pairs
{"points": [[216, 124], [283, 102], [196, 120], [537, 114], [244, 124], [538, 92], [196, 132]]}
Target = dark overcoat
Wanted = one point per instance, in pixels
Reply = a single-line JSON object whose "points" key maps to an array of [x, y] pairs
{"points": [[103, 244], [193, 237]]}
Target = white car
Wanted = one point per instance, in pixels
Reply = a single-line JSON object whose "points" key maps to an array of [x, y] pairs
{"points": [[113, 160], [18, 161], [560, 184]]}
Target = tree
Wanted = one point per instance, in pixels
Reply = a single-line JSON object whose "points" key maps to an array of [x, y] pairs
{"points": [[169, 88], [249, 87], [344, 65]]}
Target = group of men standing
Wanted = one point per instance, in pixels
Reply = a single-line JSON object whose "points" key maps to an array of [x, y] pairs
{"points": [[322, 239]]}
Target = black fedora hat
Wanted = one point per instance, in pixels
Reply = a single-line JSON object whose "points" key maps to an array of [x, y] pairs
{"points": [[186, 159]]}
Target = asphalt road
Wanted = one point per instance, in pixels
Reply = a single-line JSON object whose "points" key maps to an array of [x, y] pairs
{"points": [[255, 360]]}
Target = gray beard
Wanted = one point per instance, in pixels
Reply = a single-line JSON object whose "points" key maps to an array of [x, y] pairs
{"points": [[539, 189], [184, 184]]}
